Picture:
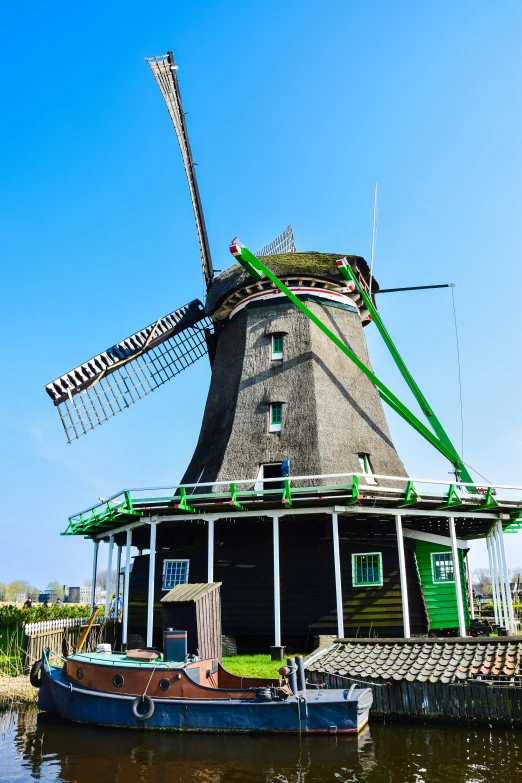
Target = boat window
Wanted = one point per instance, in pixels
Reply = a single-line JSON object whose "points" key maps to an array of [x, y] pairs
{"points": [[175, 572], [79, 674], [164, 684], [442, 567], [117, 680], [367, 569]]}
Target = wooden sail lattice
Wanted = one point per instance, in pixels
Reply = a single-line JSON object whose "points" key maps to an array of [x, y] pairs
{"points": [[108, 383]]}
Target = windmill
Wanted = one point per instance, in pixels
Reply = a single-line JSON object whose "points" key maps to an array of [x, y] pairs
{"points": [[273, 373]]}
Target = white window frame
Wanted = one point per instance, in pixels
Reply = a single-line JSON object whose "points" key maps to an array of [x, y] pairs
{"points": [[276, 355], [366, 467], [441, 581], [274, 427], [366, 554], [173, 560]]}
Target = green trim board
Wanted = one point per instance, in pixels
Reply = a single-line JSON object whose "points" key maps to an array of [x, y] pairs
{"points": [[440, 596]]}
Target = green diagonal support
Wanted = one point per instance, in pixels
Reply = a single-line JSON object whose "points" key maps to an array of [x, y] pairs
{"points": [[355, 496], [287, 494], [488, 503], [453, 499], [249, 261], [411, 497], [233, 498], [183, 505]]}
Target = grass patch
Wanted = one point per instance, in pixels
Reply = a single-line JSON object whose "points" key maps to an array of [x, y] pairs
{"points": [[252, 665]]}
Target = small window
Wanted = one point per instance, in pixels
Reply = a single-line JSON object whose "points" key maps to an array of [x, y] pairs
{"points": [[366, 467], [277, 346], [442, 567], [275, 417], [367, 569], [175, 572]]}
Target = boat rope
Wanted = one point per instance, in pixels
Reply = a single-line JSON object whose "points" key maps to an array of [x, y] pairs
{"points": [[150, 678]]}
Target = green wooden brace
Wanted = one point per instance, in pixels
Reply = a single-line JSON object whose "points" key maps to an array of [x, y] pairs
{"points": [[234, 501], [411, 498], [453, 500], [287, 494], [183, 505]]}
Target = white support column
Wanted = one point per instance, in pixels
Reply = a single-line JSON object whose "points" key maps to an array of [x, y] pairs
{"points": [[117, 591], [277, 587], [456, 573], [501, 618], [126, 586], [404, 581], [150, 595], [210, 551], [500, 574], [337, 571], [94, 571], [493, 585], [109, 574], [470, 588], [511, 616]]}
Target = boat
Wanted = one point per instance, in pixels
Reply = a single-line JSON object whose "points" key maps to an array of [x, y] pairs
{"points": [[139, 689]]}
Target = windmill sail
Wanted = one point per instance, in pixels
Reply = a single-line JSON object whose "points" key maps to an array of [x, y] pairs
{"points": [[164, 70], [284, 243], [111, 381]]}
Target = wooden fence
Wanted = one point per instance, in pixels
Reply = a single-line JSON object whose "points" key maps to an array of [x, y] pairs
{"points": [[485, 702], [62, 636]]}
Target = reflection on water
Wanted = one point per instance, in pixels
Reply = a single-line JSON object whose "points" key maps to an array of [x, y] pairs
{"points": [[43, 748]]}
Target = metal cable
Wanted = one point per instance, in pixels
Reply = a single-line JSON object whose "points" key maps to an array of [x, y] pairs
{"points": [[459, 375]]}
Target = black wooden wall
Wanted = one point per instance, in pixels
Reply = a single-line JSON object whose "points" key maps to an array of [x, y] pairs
{"points": [[243, 562]]}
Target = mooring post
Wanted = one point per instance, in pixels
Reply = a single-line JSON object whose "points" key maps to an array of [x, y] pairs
{"points": [[337, 571], [456, 573], [109, 574], [210, 551], [126, 586], [94, 571], [150, 594], [404, 581]]}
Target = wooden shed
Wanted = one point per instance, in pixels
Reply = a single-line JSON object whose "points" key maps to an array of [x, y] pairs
{"points": [[196, 608]]}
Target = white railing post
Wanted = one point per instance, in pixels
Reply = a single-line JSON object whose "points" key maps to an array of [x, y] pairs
{"points": [[210, 551], [403, 577], [109, 575], [126, 587], [118, 580], [94, 570], [337, 572], [456, 573], [470, 588], [277, 586], [493, 586], [150, 595]]}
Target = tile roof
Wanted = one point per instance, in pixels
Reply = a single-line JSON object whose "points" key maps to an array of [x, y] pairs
{"points": [[426, 660]]}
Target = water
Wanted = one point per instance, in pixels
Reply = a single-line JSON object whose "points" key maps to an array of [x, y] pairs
{"points": [[43, 748]]}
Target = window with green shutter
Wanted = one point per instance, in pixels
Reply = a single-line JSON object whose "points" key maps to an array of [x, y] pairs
{"points": [[367, 569], [275, 417], [277, 346]]}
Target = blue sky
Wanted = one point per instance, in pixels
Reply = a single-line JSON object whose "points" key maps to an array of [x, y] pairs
{"points": [[295, 110]]}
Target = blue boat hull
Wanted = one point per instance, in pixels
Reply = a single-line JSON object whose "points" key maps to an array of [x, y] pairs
{"points": [[311, 711]]}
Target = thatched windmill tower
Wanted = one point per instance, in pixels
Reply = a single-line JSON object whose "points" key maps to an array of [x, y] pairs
{"points": [[280, 390]]}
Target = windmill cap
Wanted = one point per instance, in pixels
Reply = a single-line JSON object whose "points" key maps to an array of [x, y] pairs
{"points": [[322, 266]]}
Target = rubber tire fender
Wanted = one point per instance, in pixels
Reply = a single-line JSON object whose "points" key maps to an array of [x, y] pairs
{"points": [[35, 676], [145, 715]]}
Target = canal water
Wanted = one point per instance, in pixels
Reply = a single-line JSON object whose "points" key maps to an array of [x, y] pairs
{"points": [[43, 748]]}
